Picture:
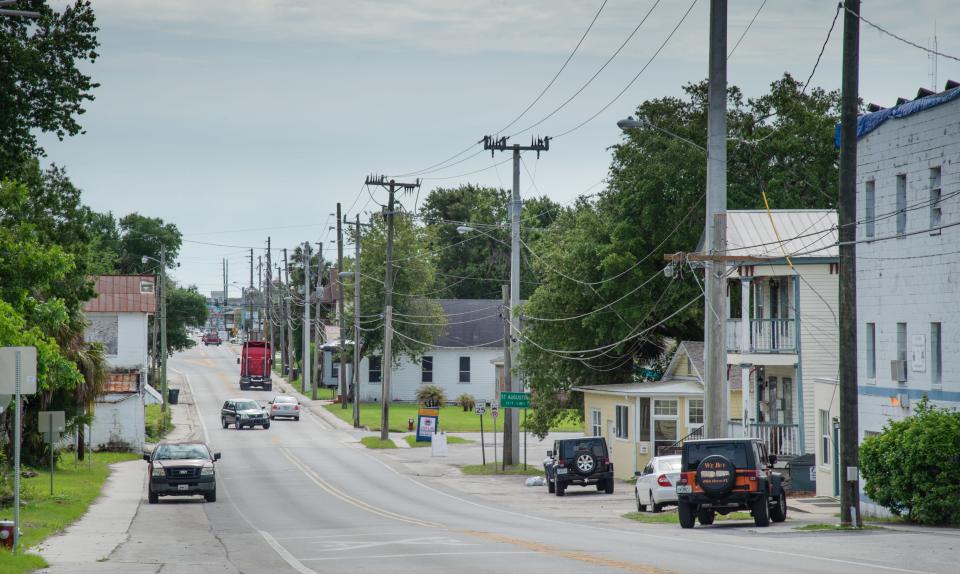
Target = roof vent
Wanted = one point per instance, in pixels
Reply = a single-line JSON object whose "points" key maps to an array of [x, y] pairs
{"points": [[901, 101], [874, 108], [951, 85], [923, 92]]}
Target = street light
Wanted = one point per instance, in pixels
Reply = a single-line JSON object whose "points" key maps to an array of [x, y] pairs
{"points": [[16, 13], [631, 124], [163, 323]]}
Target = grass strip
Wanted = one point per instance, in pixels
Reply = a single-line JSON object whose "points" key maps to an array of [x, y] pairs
{"points": [[377, 442], [452, 418], [491, 469], [157, 423], [412, 441], [671, 517]]}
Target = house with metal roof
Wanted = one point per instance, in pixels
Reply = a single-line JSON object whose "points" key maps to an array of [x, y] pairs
{"points": [[467, 357], [117, 318]]}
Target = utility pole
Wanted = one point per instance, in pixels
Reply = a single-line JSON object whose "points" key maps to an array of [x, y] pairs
{"points": [[305, 374], [317, 329], [226, 297], [163, 326], [283, 322], [291, 356], [261, 305], [356, 327], [249, 327], [849, 416], [715, 353], [268, 274], [388, 299], [511, 417], [507, 364], [343, 326]]}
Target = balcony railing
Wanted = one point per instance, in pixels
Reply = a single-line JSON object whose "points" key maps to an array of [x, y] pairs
{"points": [[766, 336], [781, 439]]}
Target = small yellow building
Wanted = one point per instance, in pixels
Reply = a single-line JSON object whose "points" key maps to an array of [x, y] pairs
{"points": [[637, 419]]}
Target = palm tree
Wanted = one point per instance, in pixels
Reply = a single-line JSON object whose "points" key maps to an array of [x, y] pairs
{"points": [[91, 361]]}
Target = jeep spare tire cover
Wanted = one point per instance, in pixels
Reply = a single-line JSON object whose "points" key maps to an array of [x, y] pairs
{"points": [[584, 462], [716, 475]]}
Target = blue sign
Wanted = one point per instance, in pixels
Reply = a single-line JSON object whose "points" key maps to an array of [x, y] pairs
{"points": [[427, 420]]}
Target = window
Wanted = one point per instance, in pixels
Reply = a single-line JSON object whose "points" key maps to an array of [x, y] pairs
{"points": [[694, 413], [870, 200], [426, 370], [375, 370], [146, 286], [901, 204], [644, 431], [871, 350], [335, 369], [623, 421], [902, 342], [665, 408], [596, 424], [936, 212], [936, 354], [825, 431], [464, 369]]}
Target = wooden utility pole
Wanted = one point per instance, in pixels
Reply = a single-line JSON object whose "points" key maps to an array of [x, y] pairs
{"points": [[849, 423], [317, 329], [342, 372], [291, 355], [507, 364], [269, 301], [387, 367], [284, 358], [306, 370], [356, 326], [511, 418], [249, 327]]}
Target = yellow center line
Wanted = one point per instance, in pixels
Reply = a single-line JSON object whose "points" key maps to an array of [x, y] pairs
{"points": [[333, 491], [570, 555]]}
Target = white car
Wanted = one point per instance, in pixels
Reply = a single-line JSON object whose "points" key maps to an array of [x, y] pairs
{"points": [[657, 483]]}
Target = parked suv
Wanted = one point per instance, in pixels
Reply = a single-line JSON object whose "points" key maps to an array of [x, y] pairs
{"points": [[725, 475], [581, 461], [243, 413]]}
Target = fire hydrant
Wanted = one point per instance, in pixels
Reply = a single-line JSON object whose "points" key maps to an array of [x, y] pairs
{"points": [[409, 424], [6, 534]]}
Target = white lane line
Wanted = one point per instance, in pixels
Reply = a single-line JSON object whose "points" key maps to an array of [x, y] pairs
{"points": [[285, 554], [495, 510], [327, 536], [420, 555]]}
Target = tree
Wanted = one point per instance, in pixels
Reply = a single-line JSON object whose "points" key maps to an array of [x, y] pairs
{"points": [[186, 307], [474, 265], [600, 263], [41, 85], [141, 235]]}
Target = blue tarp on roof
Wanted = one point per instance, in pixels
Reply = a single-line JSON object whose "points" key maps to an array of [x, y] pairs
{"points": [[869, 122]]}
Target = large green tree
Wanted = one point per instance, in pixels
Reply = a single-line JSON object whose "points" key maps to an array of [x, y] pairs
{"points": [[604, 307], [42, 88], [186, 307], [145, 236]]}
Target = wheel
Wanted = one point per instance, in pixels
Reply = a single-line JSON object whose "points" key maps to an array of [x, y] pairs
{"points": [[761, 512], [152, 497], [706, 516], [641, 507], [269, 387], [585, 463], [778, 512], [243, 387], [685, 513], [266, 426], [211, 496], [239, 426], [223, 421], [654, 507], [559, 488], [296, 418], [608, 487], [551, 487], [272, 418]]}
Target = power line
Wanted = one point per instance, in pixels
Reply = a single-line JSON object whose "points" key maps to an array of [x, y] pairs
{"points": [[901, 38], [822, 49], [747, 29]]}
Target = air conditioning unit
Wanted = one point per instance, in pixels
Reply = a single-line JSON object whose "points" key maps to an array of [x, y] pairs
{"points": [[898, 371]]}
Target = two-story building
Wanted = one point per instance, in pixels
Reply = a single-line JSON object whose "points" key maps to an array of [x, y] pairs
{"points": [[117, 318], [908, 258]]}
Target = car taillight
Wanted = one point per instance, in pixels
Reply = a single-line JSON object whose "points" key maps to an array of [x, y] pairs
{"points": [[662, 480], [750, 474], [275, 407], [296, 407], [561, 463]]}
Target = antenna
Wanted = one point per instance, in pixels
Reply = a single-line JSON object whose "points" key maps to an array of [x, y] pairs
{"points": [[932, 56]]}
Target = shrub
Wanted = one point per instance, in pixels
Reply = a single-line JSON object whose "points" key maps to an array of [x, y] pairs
{"points": [[466, 401], [913, 466], [431, 396]]}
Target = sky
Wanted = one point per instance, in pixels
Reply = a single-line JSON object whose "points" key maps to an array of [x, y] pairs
{"points": [[242, 119]]}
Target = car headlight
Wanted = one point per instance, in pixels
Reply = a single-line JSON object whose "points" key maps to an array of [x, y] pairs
{"points": [[158, 471], [206, 471]]}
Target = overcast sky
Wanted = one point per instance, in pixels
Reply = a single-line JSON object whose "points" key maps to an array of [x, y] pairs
{"points": [[246, 118]]}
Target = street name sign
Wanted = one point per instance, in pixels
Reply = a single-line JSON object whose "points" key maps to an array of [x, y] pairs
{"points": [[514, 400]]}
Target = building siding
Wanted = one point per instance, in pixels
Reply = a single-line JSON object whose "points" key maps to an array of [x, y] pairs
{"points": [[406, 376]]}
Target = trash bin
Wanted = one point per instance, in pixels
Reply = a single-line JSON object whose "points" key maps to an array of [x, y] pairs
{"points": [[173, 395], [803, 474]]}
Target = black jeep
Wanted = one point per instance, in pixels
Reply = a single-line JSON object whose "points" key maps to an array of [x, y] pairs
{"points": [[582, 461], [725, 475]]}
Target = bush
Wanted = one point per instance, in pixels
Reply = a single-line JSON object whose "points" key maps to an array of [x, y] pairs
{"points": [[431, 396], [913, 466], [466, 401]]}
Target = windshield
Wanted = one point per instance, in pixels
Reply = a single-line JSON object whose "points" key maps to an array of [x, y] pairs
{"points": [[247, 406], [735, 452], [569, 447], [181, 451], [284, 400], [669, 464]]}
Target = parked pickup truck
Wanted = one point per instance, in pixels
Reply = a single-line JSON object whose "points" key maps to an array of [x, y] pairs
{"points": [[256, 362]]}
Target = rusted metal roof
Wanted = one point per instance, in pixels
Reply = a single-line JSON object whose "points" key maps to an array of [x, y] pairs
{"points": [[123, 294]]}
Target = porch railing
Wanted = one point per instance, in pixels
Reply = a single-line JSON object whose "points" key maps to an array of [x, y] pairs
{"points": [[781, 439], [766, 336], [676, 447]]}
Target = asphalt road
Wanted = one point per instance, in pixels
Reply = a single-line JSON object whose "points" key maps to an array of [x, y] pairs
{"points": [[304, 497]]}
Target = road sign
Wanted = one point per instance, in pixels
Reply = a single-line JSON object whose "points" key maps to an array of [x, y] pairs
{"points": [[514, 400], [28, 370], [51, 421], [494, 410], [427, 420], [481, 410]]}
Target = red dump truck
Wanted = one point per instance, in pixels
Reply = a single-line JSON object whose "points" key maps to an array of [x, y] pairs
{"points": [[256, 363]]}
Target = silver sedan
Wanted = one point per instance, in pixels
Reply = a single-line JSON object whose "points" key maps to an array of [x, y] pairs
{"points": [[285, 406]]}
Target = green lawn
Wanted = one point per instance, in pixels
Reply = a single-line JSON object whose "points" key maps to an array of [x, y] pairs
{"points": [[671, 517], [323, 393], [156, 427], [490, 469], [412, 441], [452, 418], [44, 515], [377, 442]]}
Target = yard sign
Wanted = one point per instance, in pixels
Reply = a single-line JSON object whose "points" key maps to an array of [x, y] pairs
{"points": [[427, 420]]}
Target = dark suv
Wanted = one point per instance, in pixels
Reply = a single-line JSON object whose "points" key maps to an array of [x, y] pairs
{"points": [[582, 461], [243, 413], [728, 474]]}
